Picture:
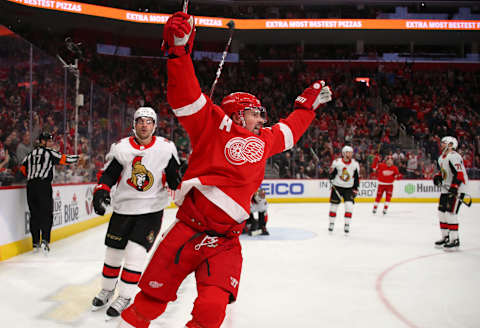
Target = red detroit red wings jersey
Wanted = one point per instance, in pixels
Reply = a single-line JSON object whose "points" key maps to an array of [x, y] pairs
{"points": [[227, 164], [387, 174]]}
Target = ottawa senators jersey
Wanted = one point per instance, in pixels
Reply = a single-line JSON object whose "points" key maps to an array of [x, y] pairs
{"points": [[345, 174], [141, 187], [259, 203], [453, 171]]}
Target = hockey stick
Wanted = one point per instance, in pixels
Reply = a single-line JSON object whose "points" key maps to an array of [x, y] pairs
{"points": [[185, 6], [336, 191], [257, 232], [467, 199], [314, 155], [231, 27]]}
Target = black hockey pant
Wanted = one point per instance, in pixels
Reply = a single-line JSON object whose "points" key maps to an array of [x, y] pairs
{"points": [[40, 203]]}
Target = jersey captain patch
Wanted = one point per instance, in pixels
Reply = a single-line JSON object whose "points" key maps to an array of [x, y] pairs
{"points": [[239, 150], [141, 179]]}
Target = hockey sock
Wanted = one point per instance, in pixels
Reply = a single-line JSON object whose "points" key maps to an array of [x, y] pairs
{"points": [[375, 205], [348, 212], [209, 307], [135, 256], [143, 310], [333, 212], [261, 219], [111, 267], [385, 206], [444, 228], [452, 225]]}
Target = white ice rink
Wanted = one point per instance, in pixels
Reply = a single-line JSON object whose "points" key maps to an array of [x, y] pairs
{"points": [[386, 273]]}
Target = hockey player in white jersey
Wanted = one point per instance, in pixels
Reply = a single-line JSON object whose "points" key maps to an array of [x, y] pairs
{"points": [[258, 205], [140, 167], [453, 179], [344, 177]]}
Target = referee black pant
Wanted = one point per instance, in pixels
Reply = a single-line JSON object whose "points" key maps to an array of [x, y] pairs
{"points": [[40, 203]]}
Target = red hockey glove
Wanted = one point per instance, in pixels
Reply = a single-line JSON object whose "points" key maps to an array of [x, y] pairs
{"points": [[178, 35], [313, 96]]}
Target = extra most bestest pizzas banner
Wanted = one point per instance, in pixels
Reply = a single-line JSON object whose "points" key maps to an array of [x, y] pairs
{"points": [[257, 24]]}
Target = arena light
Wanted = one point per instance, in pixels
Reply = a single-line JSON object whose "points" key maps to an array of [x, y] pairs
{"points": [[365, 80]]}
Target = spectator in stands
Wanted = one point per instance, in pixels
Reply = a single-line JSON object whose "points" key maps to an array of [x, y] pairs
{"points": [[6, 176], [24, 147], [301, 173]]}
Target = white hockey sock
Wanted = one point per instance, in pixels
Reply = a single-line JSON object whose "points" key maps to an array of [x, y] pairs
{"points": [[135, 256], [452, 225], [333, 212], [111, 267], [442, 217], [348, 212]]}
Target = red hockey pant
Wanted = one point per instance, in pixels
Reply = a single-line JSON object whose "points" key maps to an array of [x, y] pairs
{"points": [[387, 189]]}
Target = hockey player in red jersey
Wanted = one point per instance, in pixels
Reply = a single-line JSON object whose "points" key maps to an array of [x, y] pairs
{"points": [[226, 167], [387, 173]]}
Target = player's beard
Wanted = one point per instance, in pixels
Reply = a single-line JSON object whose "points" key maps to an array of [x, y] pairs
{"points": [[144, 135]]}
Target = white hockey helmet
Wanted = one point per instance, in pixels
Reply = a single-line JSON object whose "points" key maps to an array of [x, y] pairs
{"points": [[346, 149], [450, 140], [145, 112]]}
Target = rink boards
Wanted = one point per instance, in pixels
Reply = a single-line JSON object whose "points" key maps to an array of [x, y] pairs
{"points": [[73, 211]]}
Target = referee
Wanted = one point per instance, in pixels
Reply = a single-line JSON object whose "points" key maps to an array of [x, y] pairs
{"points": [[38, 168]]}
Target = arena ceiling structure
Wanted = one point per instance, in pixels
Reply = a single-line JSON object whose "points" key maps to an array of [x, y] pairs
{"points": [[19, 15]]}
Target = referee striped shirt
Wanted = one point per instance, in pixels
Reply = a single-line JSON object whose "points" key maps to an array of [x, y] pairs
{"points": [[39, 163]]}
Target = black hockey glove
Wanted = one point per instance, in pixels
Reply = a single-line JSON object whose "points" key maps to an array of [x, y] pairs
{"points": [[355, 193], [101, 199], [437, 180]]}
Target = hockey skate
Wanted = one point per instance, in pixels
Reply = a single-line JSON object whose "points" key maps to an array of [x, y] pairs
{"points": [[101, 299], [330, 226], [374, 211], [117, 307], [45, 247], [36, 248], [346, 228], [440, 243], [265, 232], [384, 211], [452, 246]]}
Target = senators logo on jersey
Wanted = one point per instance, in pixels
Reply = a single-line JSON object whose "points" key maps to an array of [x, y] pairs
{"points": [[141, 179], [345, 176]]}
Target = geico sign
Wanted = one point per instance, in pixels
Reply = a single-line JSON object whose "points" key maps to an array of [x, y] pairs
{"points": [[283, 188]]}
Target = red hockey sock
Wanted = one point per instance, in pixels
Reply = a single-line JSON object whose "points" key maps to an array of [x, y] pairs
{"points": [[209, 308], [143, 310]]}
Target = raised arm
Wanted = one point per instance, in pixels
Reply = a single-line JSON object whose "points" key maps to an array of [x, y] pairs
{"points": [[288, 131]]}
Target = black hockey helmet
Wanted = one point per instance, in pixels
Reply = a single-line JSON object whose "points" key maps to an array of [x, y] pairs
{"points": [[45, 136]]}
